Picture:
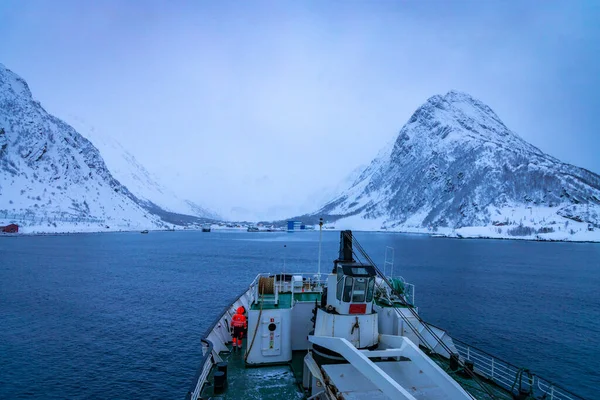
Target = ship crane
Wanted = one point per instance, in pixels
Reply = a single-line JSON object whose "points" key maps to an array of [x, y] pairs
{"points": [[354, 355]]}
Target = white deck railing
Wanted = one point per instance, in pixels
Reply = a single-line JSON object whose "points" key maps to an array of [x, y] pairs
{"points": [[505, 374], [310, 282], [409, 293], [205, 368]]}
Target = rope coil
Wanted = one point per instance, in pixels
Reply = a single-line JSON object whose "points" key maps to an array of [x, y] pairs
{"points": [[266, 285]]}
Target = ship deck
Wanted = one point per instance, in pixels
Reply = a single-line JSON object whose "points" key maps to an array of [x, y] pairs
{"points": [[266, 382], [470, 385], [285, 381]]}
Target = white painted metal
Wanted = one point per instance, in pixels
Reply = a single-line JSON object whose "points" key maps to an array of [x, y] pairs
{"points": [[392, 322], [271, 339], [320, 240], [432, 342], [425, 364], [409, 292], [301, 324], [297, 283], [331, 290], [389, 261], [341, 306], [380, 379], [270, 346], [387, 353], [415, 377], [312, 378], [361, 329]]}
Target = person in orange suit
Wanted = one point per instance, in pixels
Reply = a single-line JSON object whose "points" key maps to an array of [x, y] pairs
{"points": [[239, 324]]}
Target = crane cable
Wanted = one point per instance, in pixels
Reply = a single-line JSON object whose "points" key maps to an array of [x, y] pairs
{"points": [[410, 325], [417, 316]]}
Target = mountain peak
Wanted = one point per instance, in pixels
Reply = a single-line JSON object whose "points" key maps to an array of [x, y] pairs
{"points": [[452, 96], [457, 95], [461, 104], [11, 82], [455, 165], [458, 99], [460, 116]]}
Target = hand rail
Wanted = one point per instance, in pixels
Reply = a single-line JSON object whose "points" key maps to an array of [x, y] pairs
{"points": [[206, 361], [203, 371], [504, 374], [311, 278]]}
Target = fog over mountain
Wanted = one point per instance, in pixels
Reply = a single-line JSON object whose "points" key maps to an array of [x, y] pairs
{"points": [[248, 108], [136, 177]]}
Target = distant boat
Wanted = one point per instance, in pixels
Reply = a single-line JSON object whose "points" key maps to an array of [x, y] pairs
{"points": [[144, 231], [206, 228], [252, 229]]}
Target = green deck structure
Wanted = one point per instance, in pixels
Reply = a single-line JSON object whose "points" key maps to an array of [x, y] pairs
{"points": [[285, 300], [307, 297], [267, 382]]}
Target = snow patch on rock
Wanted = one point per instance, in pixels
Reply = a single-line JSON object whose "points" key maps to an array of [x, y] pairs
{"points": [[52, 177], [455, 167]]}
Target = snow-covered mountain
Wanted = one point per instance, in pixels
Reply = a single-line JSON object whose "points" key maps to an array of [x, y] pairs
{"points": [[51, 177], [144, 185], [456, 168]]}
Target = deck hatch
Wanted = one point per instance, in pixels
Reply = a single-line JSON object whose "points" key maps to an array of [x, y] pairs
{"points": [[271, 335]]}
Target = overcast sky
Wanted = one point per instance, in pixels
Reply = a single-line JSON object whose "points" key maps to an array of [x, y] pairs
{"points": [[262, 104]]}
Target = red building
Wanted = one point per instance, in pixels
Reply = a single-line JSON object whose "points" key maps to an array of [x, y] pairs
{"points": [[12, 228]]}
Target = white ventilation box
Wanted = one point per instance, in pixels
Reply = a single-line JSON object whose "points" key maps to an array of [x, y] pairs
{"points": [[297, 282]]}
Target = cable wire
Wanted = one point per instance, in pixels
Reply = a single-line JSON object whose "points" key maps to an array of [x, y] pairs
{"points": [[364, 254]]}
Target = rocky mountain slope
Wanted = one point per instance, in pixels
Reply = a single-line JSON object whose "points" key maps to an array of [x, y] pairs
{"points": [[455, 167], [52, 178]]}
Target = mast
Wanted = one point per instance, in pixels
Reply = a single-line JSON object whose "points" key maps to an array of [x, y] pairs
{"points": [[284, 255], [320, 239]]}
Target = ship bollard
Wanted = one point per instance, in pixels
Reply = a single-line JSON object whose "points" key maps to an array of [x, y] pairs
{"points": [[454, 362], [219, 381], [469, 368], [222, 366]]}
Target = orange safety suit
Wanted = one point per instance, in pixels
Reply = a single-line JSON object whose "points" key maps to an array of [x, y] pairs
{"points": [[239, 325]]}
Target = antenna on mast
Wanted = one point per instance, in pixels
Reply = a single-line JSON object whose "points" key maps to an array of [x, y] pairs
{"points": [[320, 239], [284, 254]]}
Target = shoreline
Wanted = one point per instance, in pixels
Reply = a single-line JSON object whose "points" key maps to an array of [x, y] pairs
{"points": [[436, 235]]}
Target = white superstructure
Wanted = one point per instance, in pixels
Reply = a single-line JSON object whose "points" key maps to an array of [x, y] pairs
{"points": [[354, 333]]}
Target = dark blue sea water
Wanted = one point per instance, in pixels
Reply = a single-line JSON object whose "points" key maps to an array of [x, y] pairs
{"points": [[121, 315]]}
